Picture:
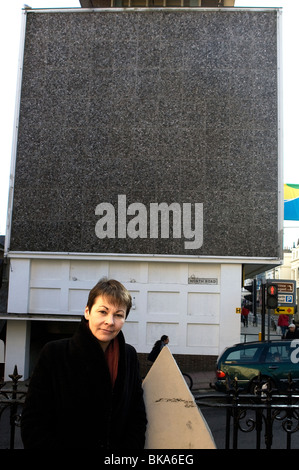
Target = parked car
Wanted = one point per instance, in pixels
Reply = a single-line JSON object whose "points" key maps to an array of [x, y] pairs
{"points": [[275, 360]]}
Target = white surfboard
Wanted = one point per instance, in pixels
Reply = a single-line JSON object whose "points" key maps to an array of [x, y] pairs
{"points": [[174, 420]]}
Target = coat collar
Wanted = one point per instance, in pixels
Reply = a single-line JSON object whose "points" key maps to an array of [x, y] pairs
{"points": [[87, 351], [85, 341]]}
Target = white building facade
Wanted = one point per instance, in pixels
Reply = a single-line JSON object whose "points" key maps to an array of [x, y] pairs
{"points": [[194, 302]]}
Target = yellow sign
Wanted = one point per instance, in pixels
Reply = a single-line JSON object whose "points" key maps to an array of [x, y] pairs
{"points": [[238, 310], [285, 311]]}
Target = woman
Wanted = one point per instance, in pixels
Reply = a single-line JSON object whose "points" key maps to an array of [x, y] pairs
{"points": [[283, 322], [157, 348], [86, 391]]}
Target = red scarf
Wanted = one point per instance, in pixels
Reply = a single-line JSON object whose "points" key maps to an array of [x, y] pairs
{"points": [[112, 356]]}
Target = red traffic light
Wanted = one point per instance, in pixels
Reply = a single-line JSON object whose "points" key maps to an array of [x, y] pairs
{"points": [[272, 296], [272, 289]]}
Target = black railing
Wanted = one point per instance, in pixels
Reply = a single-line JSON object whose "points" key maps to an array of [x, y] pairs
{"points": [[258, 412], [243, 413], [12, 398]]}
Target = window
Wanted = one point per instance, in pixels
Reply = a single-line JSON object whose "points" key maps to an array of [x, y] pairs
{"points": [[278, 353], [243, 355]]}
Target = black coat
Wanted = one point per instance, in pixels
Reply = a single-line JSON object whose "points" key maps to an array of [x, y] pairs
{"points": [[71, 403], [155, 351], [292, 334]]}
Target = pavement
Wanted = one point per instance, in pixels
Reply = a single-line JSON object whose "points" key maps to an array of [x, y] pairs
{"points": [[251, 333], [202, 380]]}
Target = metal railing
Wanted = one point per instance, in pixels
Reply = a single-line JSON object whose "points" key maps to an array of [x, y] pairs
{"points": [[258, 412], [12, 398], [244, 413]]}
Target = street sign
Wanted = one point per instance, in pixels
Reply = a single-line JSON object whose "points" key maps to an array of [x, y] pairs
{"points": [[284, 287], [285, 299], [286, 296], [285, 311]]}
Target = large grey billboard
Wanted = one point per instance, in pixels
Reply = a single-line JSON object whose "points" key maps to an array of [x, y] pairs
{"points": [[149, 131]]}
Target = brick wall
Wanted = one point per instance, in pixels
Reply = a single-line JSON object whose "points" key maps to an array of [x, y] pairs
{"points": [[186, 363]]}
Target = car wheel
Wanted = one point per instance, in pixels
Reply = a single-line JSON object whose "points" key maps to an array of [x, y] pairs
{"points": [[257, 384]]}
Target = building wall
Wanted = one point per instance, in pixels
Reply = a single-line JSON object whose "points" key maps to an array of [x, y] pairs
{"points": [[193, 303], [295, 275], [155, 106], [121, 111], [284, 271]]}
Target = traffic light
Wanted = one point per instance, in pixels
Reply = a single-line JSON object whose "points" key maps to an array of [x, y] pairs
{"points": [[272, 296], [250, 299]]}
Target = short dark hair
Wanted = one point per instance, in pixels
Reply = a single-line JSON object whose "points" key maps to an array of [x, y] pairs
{"points": [[114, 290]]}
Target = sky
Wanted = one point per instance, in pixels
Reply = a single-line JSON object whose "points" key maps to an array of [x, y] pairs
{"points": [[10, 29]]}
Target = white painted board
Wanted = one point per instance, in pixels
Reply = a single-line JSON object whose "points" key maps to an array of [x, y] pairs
{"points": [[174, 420]]}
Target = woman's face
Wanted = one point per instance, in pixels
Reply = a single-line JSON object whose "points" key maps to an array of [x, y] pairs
{"points": [[105, 319]]}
